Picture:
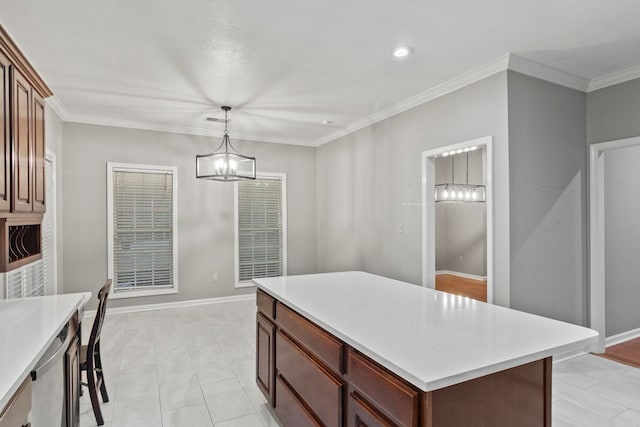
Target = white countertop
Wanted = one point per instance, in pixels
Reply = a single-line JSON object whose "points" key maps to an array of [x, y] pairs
{"points": [[27, 327], [431, 339]]}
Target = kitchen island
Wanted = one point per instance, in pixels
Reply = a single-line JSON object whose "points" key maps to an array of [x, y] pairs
{"points": [[28, 326], [357, 349]]}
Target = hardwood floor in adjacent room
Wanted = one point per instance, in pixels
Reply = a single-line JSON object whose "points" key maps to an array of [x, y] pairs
{"points": [[627, 352], [476, 289]]}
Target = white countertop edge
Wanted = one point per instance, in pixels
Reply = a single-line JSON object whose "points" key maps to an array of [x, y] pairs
{"points": [[4, 399], [444, 382]]}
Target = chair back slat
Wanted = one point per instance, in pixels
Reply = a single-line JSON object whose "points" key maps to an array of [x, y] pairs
{"points": [[96, 329]]}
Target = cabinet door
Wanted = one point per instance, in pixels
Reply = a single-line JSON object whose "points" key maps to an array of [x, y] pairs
{"points": [[5, 141], [72, 384], [22, 176], [265, 352], [38, 153]]}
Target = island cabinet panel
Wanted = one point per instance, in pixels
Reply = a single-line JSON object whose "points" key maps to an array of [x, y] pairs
{"points": [[316, 386], [385, 392], [322, 344], [266, 304], [290, 410], [519, 396], [16, 413], [265, 352], [5, 141]]}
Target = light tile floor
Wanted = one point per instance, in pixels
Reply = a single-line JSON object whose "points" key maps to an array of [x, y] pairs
{"points": [[194, 366]]}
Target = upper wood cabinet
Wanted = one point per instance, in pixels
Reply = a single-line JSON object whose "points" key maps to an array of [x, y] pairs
{"points": [[22, 169], [38, 153], [22, 142], [5, 137]]}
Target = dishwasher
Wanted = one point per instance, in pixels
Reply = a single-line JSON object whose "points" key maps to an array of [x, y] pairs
{"points": [[48, 408]]}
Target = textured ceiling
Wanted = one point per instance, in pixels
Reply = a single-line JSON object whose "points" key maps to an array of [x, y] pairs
{"points": [[285, 66]]}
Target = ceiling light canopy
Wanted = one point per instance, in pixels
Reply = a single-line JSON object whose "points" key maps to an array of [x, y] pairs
{"points": [[402, 51], [225, 163]]}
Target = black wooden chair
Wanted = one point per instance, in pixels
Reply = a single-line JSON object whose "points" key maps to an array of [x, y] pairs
{"points": [[90, 360]]}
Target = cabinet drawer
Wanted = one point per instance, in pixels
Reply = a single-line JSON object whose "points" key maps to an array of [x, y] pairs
{"points": [[363, 414], [17, 410], [290, 410], [388, 393], [314, 384], [266, 304], [321, 343]]}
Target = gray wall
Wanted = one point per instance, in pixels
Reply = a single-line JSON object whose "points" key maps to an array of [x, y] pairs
{"points": [[369, 184], [622, 239], [205, 208], [612, 113], [461, 228], [548, 173], [54, 136]]}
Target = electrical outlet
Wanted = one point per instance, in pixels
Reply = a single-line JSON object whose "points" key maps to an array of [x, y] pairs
{"points": [[215, 277], [401, 228], [460, 257]]}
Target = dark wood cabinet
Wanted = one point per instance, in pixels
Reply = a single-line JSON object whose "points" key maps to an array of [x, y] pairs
{"points": [[5, 136], [38, 195], [72, 376], [22, 169], [265, 351], [16, 413], [322, 381]]}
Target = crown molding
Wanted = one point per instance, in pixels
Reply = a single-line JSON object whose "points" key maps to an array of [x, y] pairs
{"points": [[56, 105], [187, 130], [509, 61], [621, 76], [552, 75], [477, 74]]}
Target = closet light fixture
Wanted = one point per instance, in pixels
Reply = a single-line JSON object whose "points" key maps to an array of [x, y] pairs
{"points": [[225, 163], [452, 192]]}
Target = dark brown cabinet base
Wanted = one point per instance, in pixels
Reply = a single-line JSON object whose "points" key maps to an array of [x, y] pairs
{"points": [[321, 381]]}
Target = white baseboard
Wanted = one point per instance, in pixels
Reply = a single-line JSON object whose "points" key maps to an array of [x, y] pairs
{"points": [[620, 338], [465, 275], [177, 304], [563, 357]]}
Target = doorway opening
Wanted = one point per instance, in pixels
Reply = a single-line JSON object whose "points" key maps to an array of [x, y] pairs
{"points": [[607, 160], [457, 219]]}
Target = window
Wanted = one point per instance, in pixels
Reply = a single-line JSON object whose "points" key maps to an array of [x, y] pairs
{"points": [[141, 227], [261, 228]]}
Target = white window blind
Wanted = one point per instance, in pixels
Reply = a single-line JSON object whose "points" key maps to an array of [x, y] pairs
{"points": [[49, 253], [142, 229], [261, 228]]}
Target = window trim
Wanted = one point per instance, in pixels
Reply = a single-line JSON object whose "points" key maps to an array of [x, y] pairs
{"points": [[285, 227], [136, 167]]}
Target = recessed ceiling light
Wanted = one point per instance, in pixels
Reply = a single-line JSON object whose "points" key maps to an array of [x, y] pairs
{"points": [[401, 51], [326, 122]]}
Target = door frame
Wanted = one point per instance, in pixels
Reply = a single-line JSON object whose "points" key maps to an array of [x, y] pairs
{"points": [[428, 211], [597, 307]]}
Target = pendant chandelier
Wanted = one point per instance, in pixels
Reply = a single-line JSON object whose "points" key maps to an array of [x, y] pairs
{"points": [[452, 192], [225, 163]]}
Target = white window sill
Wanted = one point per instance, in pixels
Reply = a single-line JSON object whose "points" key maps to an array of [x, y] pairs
{"points": [[145, 293], [247, 284]]}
